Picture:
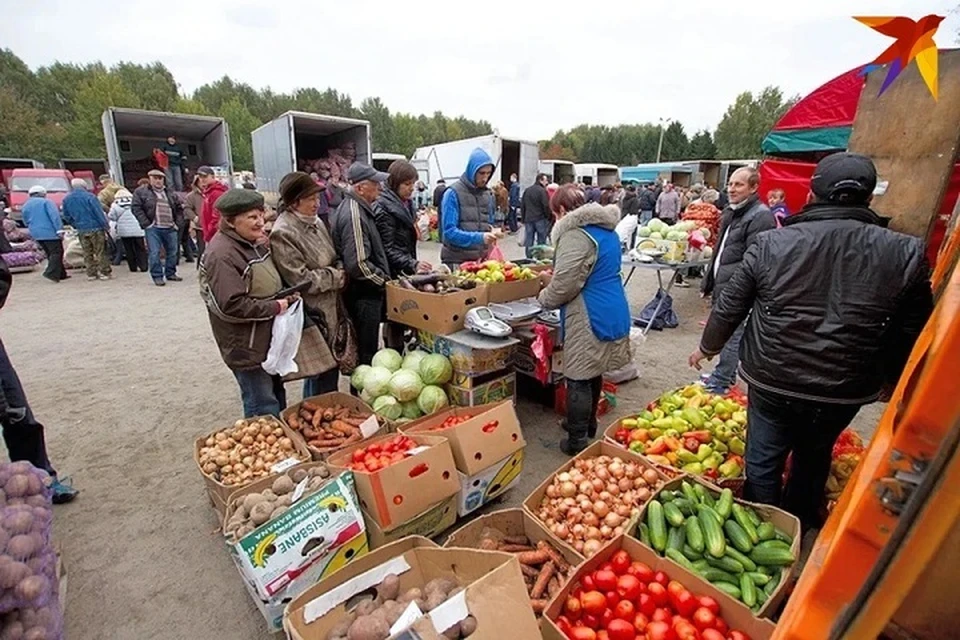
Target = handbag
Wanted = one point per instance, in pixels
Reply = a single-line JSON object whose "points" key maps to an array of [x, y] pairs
{"points": [[344, 345]]}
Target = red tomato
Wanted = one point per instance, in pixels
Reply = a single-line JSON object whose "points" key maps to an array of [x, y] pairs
{"points": [[703, 618], [711, 634], [738, 635], [606, 618], [684, 603], [624, 610], [605, 580], [661, 577], [358, 455], [373, 465], [573, 608], [642, 571], [588, 584], [590, 621], [593, 603], [620, 562], [396, 457], [606, 566], [657, 630], [721, 625], [709, 603], [582, 633], [620, 630], [675, 587], [646, 605], [629, 587], [612, 599], [603, 635], [663, 615], [640, 622], [658, 593], [686, 631], [564, 625]]}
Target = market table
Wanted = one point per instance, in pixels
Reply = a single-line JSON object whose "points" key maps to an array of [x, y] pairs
{"points": [[633, 265]]}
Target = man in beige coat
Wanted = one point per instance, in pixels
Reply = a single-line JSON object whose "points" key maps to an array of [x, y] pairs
{"points": [[303, 251]]}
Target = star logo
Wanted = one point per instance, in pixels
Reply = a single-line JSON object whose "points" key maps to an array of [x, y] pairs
{"points": [[914, 41]]}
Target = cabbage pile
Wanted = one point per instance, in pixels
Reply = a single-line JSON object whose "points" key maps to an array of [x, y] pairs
{"points": [[403, 388]]}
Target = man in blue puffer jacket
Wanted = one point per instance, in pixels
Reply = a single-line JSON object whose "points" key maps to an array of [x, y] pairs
{"points": [[83, 212], [467, 208]]}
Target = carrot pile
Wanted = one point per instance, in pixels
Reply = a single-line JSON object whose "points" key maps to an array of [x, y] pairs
{"points": [[327, 428], [544, 569]]}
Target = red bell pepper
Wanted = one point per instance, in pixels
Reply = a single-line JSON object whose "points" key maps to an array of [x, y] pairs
{"points": [[702, 436], [658, 446]]}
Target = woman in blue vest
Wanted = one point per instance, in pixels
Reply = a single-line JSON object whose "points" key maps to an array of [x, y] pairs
{"points": [[594, 315]]}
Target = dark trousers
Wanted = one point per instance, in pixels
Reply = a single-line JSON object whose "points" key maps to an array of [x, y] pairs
{"points": [[535, 233], [54, 250], [393, 334], [326, 382], [511, 220], [24, 436], [262, 394], [780, 425], [201, 245], [119, 252], [582, 399], [186, 242], [136, 254], [367, 314]]}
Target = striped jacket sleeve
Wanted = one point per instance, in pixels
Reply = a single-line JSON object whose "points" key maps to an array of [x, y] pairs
{"points": [[355, 246]]}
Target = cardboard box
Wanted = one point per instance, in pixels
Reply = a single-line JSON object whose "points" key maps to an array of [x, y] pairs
{"points": [[495, 387], [329, 400], [514, 290], [397, 493], [433, 521], [440, 313], [219, 493], [492, 433], [780, 519], [674, 250], [735, 613], [532, 504], [510, 522], [470, 353], [495, 593], [489, 484], [318, 533]]}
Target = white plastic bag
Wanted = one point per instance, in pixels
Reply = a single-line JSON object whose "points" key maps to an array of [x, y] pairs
{"points": [[521, 235], [285, 342], [625, 229]]}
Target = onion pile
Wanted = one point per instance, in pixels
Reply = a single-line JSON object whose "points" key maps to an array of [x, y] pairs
{"points": [[246, 451], [591, 502]]}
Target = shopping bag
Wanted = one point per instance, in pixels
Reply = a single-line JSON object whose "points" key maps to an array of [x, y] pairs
{"points": [[285, 342], [521, 235], [496, 253], [666, 317]]}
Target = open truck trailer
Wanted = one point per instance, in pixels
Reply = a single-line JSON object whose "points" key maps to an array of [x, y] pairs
{"points": [[131, 135], [559, 171], [448, 160]]}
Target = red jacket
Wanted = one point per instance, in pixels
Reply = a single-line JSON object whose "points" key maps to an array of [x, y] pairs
{"points": [[210, 217]]}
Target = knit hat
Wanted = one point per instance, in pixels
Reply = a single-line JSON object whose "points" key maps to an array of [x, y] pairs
{"points": [[123, 197], [297, 185], [237, 201]]}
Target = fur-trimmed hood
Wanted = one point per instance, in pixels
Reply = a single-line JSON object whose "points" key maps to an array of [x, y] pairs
{"points": [[606, 216]]}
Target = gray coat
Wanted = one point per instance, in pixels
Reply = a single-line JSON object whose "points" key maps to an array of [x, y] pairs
{"points": [[585, 356]]}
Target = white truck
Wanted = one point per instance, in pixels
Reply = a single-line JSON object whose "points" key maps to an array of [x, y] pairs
{"points": [[448, 160], [382, 161], [559, 171], [597, 173], [131, 135], [283, 144]]}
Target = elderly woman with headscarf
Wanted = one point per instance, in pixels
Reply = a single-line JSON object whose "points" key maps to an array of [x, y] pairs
{"points": [[594, 315], [303, 251], [239, 284]]}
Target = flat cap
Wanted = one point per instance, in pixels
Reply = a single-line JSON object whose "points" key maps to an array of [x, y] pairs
{"points": [[359, 172], [237, 201], [157, 173]]}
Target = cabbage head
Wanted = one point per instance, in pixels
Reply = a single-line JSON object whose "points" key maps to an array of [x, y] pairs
{"points": [[435, 369], [366, 397], [387, 407], [432, 399], [356, 380], [388, 359], [412, 360], [405, 385], [410, 410], [376, 381]]}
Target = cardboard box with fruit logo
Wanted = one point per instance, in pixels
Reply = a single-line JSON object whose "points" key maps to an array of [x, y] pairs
{"points": [[440, 313], [506, 281], [493, 387], [470, 353]]}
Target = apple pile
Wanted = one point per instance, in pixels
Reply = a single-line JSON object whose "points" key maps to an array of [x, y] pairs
{"points": [[690, 429], [624, 599], [495, 271]]}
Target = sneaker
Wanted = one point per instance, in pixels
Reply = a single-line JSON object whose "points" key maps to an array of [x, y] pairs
{"points": [[683, 284], [159, 282], [63, 491], [92, 278], [188, 260], [573, 447], [174, 279], [53, 280], [104, 277]]}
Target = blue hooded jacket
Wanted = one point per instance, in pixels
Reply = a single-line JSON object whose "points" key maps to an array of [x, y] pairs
{"points": [[450, 206]]}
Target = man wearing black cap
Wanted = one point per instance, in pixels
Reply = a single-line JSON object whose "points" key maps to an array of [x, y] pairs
{"points": [[355, 235], [837, 301]]}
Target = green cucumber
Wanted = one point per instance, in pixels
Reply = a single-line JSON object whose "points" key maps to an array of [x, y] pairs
{"points": [[704, 495], [766, 531], [691, 553], [748, 564], [754, 518], [771, 586], [782, 535], [772, 556], [673, 515], [748, 590], [729, 588], [685, 506], [774, 544], [644, 534], [725, 503], [666, 495], [726, 563], [712, 534], [657, 526], [679, 558], [688, 491], [740, 515], [675, 538], [694, 534], [712, 574], [737, 536], [759, 579]]}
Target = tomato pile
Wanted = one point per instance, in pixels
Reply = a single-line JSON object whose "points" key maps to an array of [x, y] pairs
{"points": [[451, 421], [627, 600], [381, 454]]}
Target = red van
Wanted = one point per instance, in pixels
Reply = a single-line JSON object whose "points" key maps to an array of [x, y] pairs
{"points": [[55, 181]]}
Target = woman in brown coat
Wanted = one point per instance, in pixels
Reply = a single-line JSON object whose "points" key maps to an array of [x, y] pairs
{"points": [[303, 251]]}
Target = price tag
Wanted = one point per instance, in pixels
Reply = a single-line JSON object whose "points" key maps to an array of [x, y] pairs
{"points": [[283, 465], [410, 615], [298, 491], [369, 426], [417, 450]]}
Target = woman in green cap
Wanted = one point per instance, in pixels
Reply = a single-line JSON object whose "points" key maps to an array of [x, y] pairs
{"points": [[238, 282]]}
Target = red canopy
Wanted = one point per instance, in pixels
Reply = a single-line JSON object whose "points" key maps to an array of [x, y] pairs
{"points": [[833, 104]]}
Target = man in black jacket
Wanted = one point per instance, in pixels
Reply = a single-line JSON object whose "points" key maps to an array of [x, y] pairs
{"points": [[835, 302], [535, 213], [648, 202], [742, 220], [160, 213], [355, 235]]}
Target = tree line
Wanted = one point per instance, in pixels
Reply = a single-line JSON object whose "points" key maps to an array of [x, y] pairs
{"points": [[54, 112]]}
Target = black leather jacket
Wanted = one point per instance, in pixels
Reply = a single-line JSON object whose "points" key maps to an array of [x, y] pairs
{"points": [[837, 302], [396, 224], [743, 224]]}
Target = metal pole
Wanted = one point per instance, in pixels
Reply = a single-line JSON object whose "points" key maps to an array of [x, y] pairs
{"points": [[660, 145]]}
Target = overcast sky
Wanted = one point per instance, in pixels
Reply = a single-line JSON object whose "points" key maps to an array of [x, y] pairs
{"points": [[528, 67]]}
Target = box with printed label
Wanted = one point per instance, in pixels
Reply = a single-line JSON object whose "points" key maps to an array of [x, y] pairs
{"points": [[394, 494], [495, 387], [296, 421], [470, 353], [491, 483], [440, 313], [433, 521], [674, 250], [317, 534], [494, 593]]}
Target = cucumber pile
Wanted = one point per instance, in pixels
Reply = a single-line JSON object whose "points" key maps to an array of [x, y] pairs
{"points": [[724, 542]]}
